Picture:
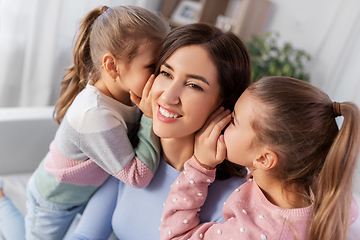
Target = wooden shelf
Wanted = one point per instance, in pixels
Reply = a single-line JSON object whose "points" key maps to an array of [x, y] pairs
{"points": [[249, 21]]}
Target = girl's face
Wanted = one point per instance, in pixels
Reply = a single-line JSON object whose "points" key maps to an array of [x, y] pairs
{"points": [[239, 135], [135, 74], [185, 92]]}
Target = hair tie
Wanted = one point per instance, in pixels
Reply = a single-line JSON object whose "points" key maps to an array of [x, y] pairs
{"points": [[104, 9], [336, 109]]}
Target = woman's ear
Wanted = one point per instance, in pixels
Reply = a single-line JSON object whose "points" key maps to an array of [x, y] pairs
{"points": [[267, 160], [109, 64]]}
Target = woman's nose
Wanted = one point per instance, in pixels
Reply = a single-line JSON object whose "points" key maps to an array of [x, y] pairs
{"points": [[171, 94]]}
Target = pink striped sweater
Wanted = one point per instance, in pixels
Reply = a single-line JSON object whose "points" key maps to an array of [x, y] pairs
{"points": [[91, 144], [248, 213]]}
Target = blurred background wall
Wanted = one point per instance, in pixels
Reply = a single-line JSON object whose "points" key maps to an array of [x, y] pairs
{"points": [[36, 38]]}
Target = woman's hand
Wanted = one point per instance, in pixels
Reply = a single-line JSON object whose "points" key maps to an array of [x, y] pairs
{"points": [[144, 103], [210, 147]]}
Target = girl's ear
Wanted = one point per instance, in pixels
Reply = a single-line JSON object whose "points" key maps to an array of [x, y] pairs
{"points": [[109, 63], [267, 160]]}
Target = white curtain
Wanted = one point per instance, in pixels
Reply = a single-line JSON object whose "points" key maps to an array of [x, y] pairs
{"points": [[36, 40], [330, 32], [336, 66]]}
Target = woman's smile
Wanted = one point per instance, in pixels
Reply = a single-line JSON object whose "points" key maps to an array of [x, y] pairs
{"points": [[168, 113], [167, 116], [185, 92]]}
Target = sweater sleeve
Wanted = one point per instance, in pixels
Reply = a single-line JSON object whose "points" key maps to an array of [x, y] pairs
{"points": [[112, 151], [142, 167], [187, 195]]}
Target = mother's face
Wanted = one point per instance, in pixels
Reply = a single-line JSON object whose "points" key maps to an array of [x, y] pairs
{"points": [[185, 92]]}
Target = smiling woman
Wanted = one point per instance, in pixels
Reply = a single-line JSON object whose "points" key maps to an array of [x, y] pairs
{"points": [[199, 68], [186, 87]]}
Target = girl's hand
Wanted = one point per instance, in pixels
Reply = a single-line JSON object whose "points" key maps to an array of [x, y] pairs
{"points": [[144, 103], [210, 147]]}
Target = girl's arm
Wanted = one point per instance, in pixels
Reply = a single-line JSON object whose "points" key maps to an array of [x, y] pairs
{"points": [[113, 152], [148, 149], [102, 147], [142, 167], [95, 222], [187, 195], [98, 135]]}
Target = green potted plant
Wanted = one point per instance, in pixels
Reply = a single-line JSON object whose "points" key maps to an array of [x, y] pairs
{"points": [[270, 59]]}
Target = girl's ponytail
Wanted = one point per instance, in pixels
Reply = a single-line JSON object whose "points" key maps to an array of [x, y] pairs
{"points": [[333, 190], [121, 31], [77, 75], [298, 121]]}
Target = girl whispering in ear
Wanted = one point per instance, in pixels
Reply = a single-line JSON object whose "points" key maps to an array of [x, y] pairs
{"points": [[301, 167], [114, 55]]}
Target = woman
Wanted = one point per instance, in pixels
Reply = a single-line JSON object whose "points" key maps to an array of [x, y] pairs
{"points": [[199, 69]]}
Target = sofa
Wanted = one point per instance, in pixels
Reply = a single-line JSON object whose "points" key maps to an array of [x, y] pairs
{"points": [[25, 135]]}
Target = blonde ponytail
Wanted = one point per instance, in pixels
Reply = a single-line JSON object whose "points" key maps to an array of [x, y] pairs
{"points": [[333, 191], [77, 75], [298, 121]]}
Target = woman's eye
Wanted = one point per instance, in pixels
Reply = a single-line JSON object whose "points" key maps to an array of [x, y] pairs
{"points": [[165, 74], [194, 86]]}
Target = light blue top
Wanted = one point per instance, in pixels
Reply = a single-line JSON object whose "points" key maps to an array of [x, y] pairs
{"points": [[137, 212]]}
